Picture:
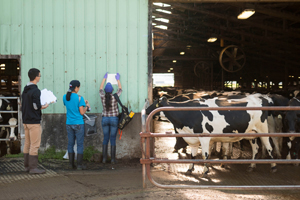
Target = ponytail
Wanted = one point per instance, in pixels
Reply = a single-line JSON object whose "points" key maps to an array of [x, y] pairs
{"points": [[68, 97]]}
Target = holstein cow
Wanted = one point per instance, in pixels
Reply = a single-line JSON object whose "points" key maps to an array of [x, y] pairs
{"points": [[253, 121], [292, 123], [275, 124], [11, 146]]}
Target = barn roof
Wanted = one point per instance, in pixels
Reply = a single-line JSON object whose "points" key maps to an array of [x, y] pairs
{"points": [[269, 39]]}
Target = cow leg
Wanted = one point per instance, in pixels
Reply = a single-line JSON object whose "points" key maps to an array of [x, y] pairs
{"points": [[225, 151], [266, 143], [276, 141], [289, 145], [205, 153], [255, 148], [194, 151]]}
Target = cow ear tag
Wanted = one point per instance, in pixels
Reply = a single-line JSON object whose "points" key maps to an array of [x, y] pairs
{"points": [[157, 105]]}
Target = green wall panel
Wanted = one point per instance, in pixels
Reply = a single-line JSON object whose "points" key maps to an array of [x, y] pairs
{"points": [[79, 39]]}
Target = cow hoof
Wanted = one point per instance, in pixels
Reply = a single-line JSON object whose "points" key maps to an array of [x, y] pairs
{"points": [[189, 172], [204, 175], [184, 151], [250, 169], [273, 169], [223, 166], [175, 151]]}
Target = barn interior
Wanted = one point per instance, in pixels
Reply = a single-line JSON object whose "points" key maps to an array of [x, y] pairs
{"points": [[207, 47], [9, 109], [9, 76]]}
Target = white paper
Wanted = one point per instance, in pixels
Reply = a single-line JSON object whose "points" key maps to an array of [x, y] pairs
{"points": [[112, 79], [47, 96]]}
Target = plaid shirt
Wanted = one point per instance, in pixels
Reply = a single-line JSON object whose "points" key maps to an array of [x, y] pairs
{"points": [[113, 111]]}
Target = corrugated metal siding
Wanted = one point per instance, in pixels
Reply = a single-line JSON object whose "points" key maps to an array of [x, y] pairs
{"points": [[79, 39]]}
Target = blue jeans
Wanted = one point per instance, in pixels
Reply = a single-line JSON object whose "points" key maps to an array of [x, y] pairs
{"points": [[75, 131], [110, 129]]}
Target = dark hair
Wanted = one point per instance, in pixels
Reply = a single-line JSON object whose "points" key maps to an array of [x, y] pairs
{"points": [[32, 73], [73, 84], [68, 97], [107, 100]]}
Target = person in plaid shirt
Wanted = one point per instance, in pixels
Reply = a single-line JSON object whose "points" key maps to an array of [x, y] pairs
{"points": [[110, 117]]}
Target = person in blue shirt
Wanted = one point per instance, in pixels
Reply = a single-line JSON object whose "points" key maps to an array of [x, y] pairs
{"points": [[76, 108]]}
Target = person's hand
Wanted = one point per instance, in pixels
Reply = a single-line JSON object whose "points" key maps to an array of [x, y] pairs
{"points": [[45, 106], [118, 76], [105, 76]]}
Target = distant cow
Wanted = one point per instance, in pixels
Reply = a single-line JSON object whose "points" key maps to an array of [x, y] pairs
{"points": [[254, 121]]}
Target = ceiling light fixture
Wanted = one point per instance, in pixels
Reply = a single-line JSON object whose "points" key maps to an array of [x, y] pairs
{"points": [[162, 4], [212, 39], [182, 53], [161, 27], [164, 11], [171, 68], [246, 14], [162, 20], [174, 61]]}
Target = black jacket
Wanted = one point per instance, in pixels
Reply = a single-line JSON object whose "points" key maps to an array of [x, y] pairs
{"points": [[31, 105]]}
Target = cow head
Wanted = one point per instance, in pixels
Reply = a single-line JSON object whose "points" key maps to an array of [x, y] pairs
{"points": [[292, 117]]}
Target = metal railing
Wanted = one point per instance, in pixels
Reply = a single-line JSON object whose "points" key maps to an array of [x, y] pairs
{"points": [[146, 160], [19, 117]]}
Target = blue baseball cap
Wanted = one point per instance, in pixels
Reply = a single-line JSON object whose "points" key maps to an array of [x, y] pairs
{"points": [[109, 88]]}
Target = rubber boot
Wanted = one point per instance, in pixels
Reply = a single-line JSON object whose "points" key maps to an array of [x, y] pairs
{"points": [[71, 161], [33, 162], [80, 165], [113, 154], [26, 162], [104, 153]]}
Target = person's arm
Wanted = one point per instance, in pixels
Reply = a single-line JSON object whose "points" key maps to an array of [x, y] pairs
{"points": [[82, 110], [103, 81], [36, 101], [119, 84], [118, 80], [44, 106], [84, 106]]}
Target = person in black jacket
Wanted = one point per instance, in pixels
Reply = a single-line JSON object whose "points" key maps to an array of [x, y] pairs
{"points": [[31, 115]]}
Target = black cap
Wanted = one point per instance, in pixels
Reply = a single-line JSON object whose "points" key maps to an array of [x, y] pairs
{"points": [[73, 84]]}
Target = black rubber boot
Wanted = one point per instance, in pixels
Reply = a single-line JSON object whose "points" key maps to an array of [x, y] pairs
{"points": [[80, 166], [113, 154], [26, 162], [33, 162], [71, 161], [104, 153]]}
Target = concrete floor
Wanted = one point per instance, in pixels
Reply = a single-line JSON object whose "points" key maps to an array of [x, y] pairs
{"points": [[124, 179]]}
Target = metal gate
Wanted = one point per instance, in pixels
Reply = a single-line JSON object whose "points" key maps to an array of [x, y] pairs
{"points": [[146, 159], [12, 111]]}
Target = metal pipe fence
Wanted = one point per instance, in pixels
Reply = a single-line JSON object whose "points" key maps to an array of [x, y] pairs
{"points": [[147, 160]]}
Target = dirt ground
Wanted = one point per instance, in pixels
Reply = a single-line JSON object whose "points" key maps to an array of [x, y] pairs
{"points": [[123, 180]]}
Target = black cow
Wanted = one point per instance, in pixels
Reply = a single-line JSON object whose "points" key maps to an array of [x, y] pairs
{"points": [[292, 124], [220, 122]]}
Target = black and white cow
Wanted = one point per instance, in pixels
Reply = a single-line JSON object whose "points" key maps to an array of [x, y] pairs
{"points": [[198, 122], [11, 146], [292, 124]]}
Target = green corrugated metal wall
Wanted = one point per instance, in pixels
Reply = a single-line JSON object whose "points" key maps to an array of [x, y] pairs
{"points": [[79, 39]]}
